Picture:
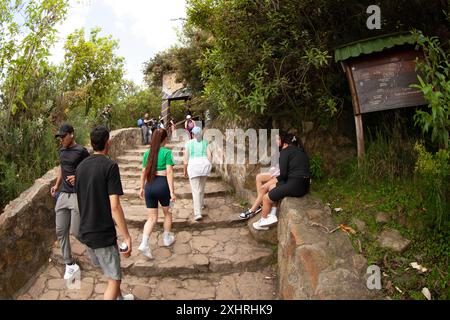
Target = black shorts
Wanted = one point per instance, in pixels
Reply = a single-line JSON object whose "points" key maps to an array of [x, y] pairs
{"points": [[157, 191], [294, 187]]}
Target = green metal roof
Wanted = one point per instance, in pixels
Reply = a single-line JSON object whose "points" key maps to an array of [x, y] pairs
{"points": [[377, 44]]}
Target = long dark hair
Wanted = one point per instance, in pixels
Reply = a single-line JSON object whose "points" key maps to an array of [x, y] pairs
{"points": [[158, 137]]}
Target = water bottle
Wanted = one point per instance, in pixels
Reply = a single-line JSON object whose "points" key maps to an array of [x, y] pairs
{"points": [[123, 247]]}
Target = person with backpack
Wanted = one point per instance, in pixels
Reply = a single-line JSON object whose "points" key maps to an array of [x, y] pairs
{"points": [[145, 130]]}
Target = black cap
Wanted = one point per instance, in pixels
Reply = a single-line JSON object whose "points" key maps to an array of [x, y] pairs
{"points": [[65, 129]]}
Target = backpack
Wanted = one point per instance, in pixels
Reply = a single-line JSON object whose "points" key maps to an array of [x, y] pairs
{"points": [[140, 122]]}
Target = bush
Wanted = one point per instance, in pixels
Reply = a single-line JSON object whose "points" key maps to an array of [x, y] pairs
{"points": [[316, 167], [433, 171], [28, 151]]}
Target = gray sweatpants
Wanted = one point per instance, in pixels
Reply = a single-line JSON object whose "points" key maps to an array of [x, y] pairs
{"points": [[67, 220]]}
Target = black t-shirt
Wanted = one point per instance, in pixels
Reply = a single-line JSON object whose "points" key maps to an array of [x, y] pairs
{"points": [[97, 178], [70, 158]]}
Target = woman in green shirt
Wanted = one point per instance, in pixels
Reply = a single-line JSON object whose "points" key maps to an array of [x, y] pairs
{"points": [[157, 186]]}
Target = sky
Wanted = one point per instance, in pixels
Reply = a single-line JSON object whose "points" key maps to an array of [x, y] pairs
{"points": [[143, 28]]}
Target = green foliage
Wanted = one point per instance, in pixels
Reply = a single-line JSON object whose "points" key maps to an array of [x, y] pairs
{"points": [[134, 105], [24, 48], [94, 71], [264, 61], [434, 82], [316, 167], [28, 151], [434, 173]]}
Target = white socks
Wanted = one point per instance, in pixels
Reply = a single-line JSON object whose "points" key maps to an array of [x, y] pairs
{"points": [[273, 212], [145, 239]]}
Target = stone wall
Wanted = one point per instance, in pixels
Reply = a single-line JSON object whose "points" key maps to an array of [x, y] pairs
{"points": [[27, 226], [312, 264]]}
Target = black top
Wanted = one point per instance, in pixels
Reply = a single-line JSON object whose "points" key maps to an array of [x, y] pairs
{"points": [[70, 158], [97, 178], [294, 163]]}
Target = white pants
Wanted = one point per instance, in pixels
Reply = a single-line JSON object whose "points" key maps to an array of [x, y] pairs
{"points": [[198, 192]]}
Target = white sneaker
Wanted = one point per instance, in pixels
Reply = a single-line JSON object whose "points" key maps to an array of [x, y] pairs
{"points": [[198, 217], [126, 297], [270, 220], [71, 270], [257, 225], [272, 214], [146, 251], [169, 240]]}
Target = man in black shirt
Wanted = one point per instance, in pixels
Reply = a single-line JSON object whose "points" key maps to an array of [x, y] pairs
{"points": [[98, 188], [67, 215]]}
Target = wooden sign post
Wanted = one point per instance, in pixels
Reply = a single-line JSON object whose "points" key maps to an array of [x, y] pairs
{"points": [[381, 81]]}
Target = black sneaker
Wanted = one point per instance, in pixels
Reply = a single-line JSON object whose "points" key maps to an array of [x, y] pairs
{"points": [[247, 214], [259, 209]]}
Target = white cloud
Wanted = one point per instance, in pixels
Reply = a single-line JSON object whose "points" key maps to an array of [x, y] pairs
{"points": [[76, 19], [151, 21], [143, 27]]}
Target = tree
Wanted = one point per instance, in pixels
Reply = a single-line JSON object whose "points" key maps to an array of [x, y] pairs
{"points": [[23, 57], [272, 59], [94, 71]]}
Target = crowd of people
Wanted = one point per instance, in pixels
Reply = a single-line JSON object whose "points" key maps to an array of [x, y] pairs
{"points": [[88, 190]]}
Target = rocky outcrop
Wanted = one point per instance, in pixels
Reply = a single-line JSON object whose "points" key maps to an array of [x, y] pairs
{"points": [[27, 226], [312, 263]]}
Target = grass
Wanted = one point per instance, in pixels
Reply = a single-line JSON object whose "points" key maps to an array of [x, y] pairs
{"points": [[362, 199]]}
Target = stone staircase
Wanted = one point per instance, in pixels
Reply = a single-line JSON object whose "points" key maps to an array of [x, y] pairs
{"points": [[215, 258]]}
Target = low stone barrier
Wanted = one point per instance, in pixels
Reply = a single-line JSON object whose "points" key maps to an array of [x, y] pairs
{"points": [[27, 226], [312, 264]]}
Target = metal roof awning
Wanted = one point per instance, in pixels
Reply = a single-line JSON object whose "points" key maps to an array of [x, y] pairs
{"points": [[180, 94], [376, 44]]}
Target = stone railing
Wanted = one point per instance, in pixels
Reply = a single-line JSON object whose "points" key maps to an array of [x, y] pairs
{"points": [[27, 226], [312, 264]]}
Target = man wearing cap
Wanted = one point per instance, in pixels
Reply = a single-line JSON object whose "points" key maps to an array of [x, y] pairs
{"points": [[67, 214]]}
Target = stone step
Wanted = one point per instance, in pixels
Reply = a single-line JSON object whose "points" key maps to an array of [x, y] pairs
{"points": [[182, 189], [257, 285], [141, 150], [224, 250], [219, 213], [126, 168], [137, 175]]}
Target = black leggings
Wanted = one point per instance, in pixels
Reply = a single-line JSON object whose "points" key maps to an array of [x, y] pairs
{"points": [[156, 191], [293, 187]]}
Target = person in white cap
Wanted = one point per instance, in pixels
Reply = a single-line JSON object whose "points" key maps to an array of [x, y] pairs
{"points": [[189, 124], [197, 165]]}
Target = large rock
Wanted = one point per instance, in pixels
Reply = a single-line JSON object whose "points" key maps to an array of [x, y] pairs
{"points": [[313, 264], [392, 239], [270, 236]]}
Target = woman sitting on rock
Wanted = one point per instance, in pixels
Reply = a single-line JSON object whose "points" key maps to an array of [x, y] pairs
{"points": [[264, 183], [293, 181]]}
